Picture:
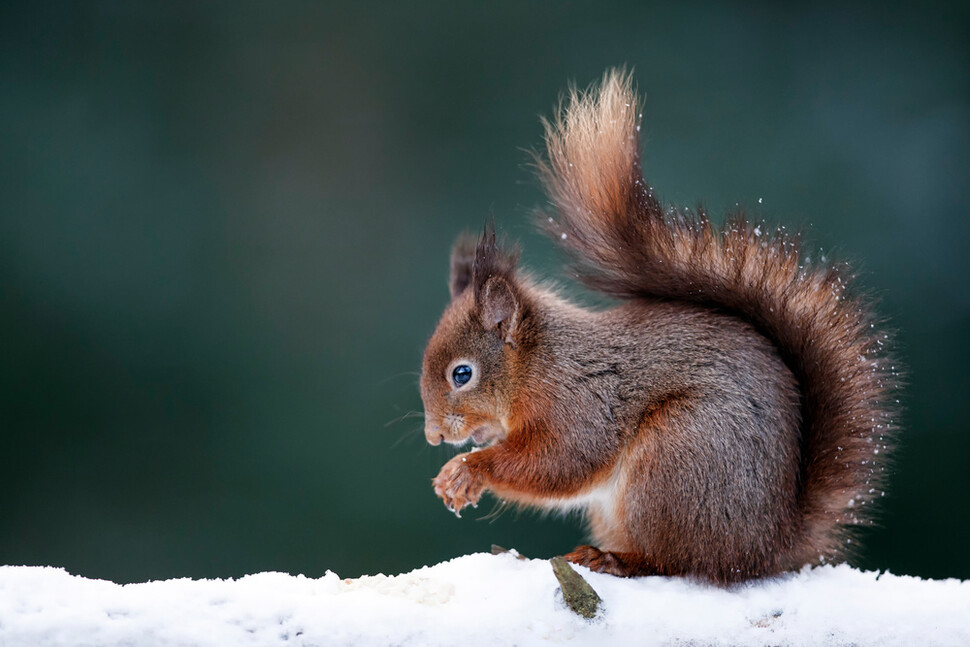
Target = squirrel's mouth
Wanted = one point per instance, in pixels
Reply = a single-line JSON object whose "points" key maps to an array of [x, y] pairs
{"points": [[454, 430], [483, 435]]}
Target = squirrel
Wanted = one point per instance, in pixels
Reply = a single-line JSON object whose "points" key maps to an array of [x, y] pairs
{"points": [[728, 419]]}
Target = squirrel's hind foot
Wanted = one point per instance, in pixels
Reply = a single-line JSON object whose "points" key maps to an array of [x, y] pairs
{"points": [[619, 564]]}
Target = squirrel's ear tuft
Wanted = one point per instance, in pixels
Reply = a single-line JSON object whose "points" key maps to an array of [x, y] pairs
{"points": [[493, 259], [462, 264], [496, 294]]}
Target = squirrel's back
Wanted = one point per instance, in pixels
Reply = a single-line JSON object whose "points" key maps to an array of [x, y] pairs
{"points": [[628, 245]]}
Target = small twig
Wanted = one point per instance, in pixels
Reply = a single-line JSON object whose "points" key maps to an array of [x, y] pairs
{"points": [[498, 550], [578, 594]]}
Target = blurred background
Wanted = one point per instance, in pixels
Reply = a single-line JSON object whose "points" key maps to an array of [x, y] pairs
{"points": [[225, 226]]}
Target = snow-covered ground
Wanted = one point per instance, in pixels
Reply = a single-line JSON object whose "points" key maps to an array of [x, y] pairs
{"points": [[479, 600]]}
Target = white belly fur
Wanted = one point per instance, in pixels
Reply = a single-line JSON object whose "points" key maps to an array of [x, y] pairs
{"points": [[600, 500]]}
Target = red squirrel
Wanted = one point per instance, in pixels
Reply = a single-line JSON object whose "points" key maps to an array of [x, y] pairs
{"points": [[729, 419]]}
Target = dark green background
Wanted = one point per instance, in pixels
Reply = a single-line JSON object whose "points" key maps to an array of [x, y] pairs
{"points": [[224, 231]]}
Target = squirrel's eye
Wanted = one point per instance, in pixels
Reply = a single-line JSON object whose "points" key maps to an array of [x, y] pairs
{"points": [[461, 374]]}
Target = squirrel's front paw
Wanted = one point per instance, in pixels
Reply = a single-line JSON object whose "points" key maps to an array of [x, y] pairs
{"points": [[457, 485]]}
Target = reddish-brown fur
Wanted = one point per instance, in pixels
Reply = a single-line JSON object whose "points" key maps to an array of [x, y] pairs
{"points": [[727, 420]]}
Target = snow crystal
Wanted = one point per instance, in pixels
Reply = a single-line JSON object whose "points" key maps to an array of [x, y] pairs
{"points": [[480, 600]]}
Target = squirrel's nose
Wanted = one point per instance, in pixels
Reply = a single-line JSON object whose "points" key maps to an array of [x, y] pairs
{"points": [[433, 434]]}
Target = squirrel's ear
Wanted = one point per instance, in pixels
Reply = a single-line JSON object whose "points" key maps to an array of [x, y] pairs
{"points": [[462, 264], [500, 308], [497, 296]]}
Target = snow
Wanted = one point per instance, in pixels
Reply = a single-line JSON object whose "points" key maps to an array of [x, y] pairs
{"points": [[480, 600]]}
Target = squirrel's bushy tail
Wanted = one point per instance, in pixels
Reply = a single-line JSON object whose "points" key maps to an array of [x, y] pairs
{"points": [[630, 246]]}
